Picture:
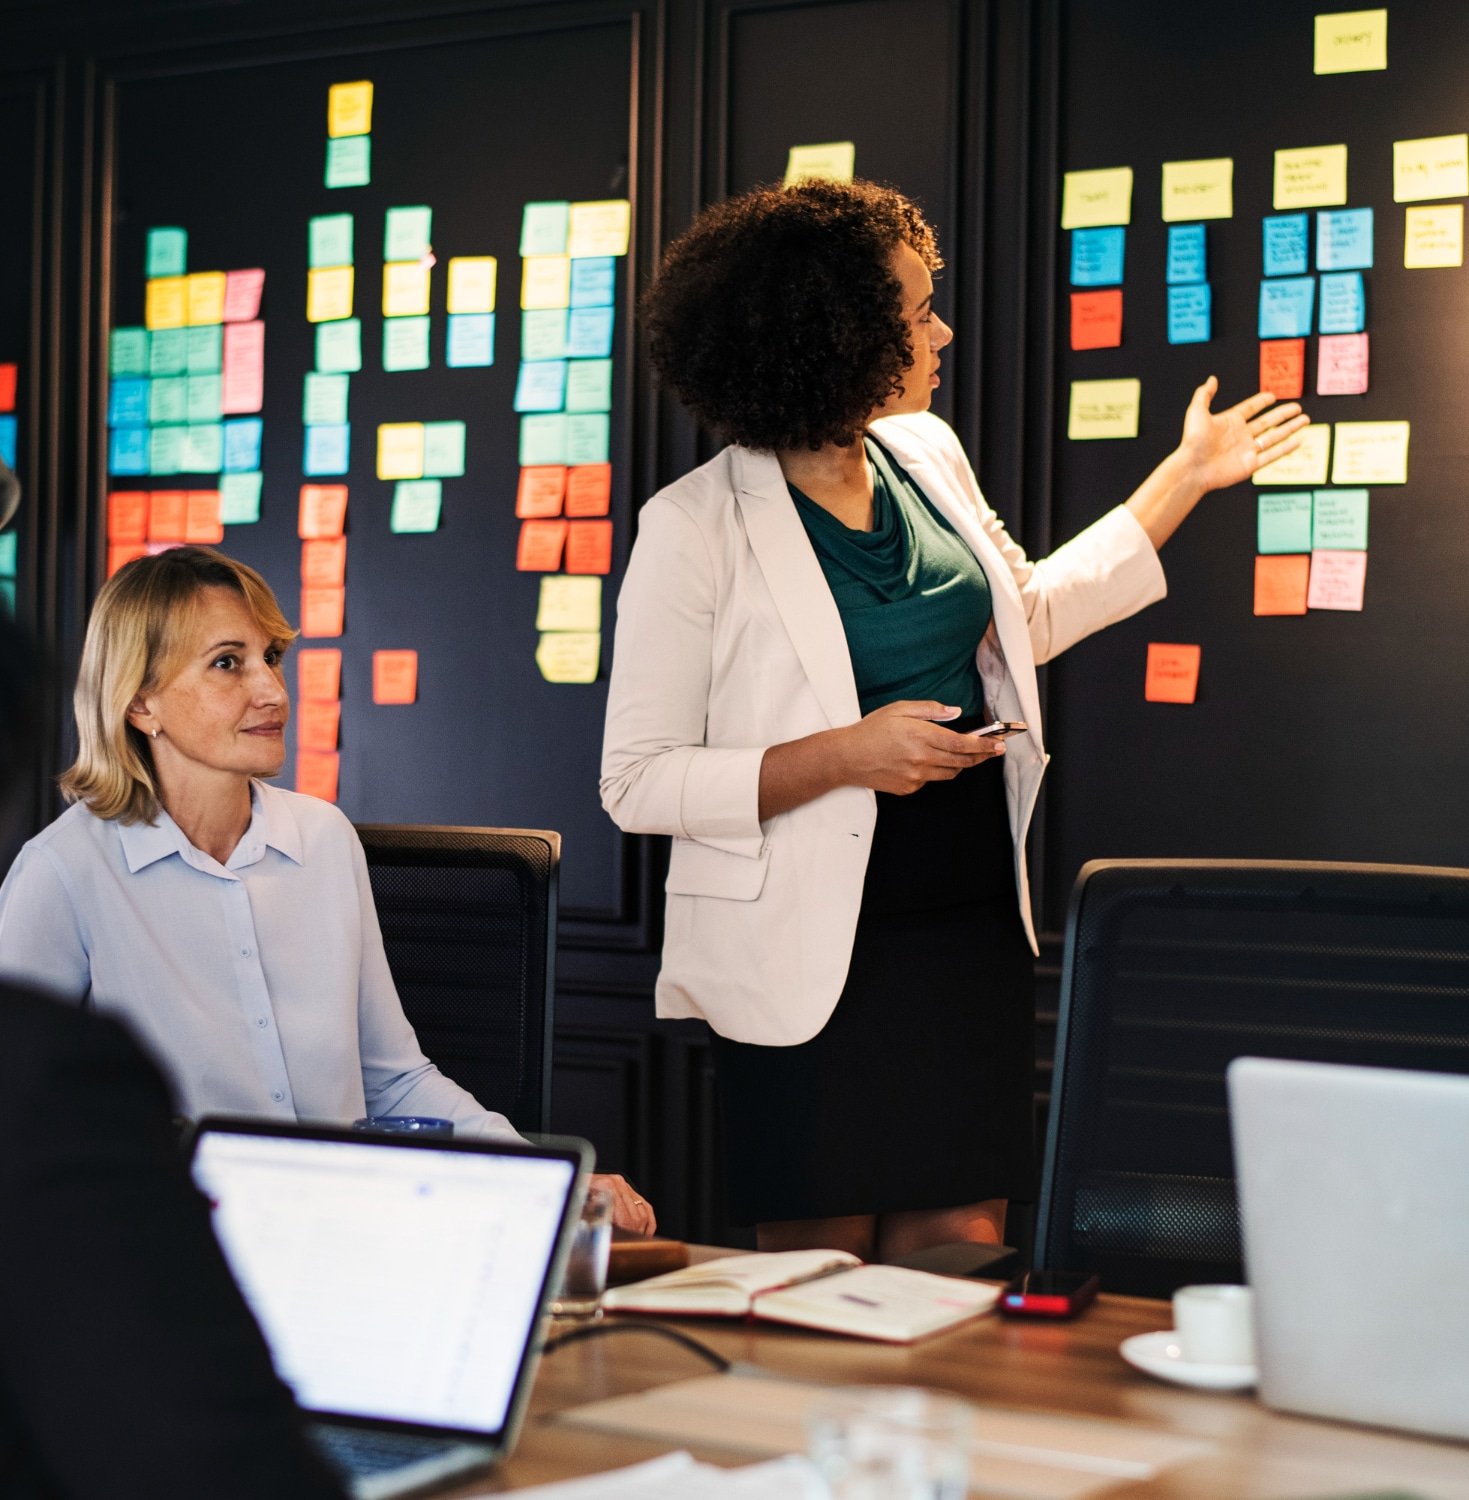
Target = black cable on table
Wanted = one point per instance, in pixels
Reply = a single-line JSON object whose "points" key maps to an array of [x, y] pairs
{"points": [[596, 1330]]}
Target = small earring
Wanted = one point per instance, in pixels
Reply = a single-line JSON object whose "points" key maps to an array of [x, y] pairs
{"points": [[155, 734]]}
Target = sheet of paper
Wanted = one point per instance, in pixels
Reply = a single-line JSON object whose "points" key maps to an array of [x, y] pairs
{"points": [[588, 332], [323, 511], [400, 450], [242, 292], [1189, 314], [205, 350], [588, 437], [407, 232], [405, 343], [540, 492], [1286, 307], [1339, 520], [322, 612], [1198, 190], [569, 656], [127, 451], [167, 252], [405, 289], [589, 490], [1433, 167], [1187, 253], [316, 774], [472, 283], [1097, 198], [128, 351], [1096, 319], [324, 565], [205, 395], [1433, 236], [239, 498], [1283, 522], [166, 448], [168, 351], [1173, 673], [324, 399], [569, 603], [541, 386], [329, 293], [349, 108], [207, 449], [327, 450], [168, 515], [1351, 41], [589, 547], [1103, 409], [329, 241], [168, 400], [1371, 453], [1098, 255], [1311, 177], [543, 332], [599, 228], [589, 385], [1341, 364], [471, 340], [539, 547], [129, 402], [242, 437], [1343, 303], [545, 281], [443, 450], [349, 162], [318, 725], [1306, 466], [594, 281], [205, 293], [339, 346], [1280, 585], [9, 553], [1344, 239], [543, 440], [394, 676], [1338, 580], [127, 518], [319, 674], [166, 302], [417, 504], [835, 161], [543, 228]]}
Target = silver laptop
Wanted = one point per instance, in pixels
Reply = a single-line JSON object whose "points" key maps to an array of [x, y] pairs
{"points": [[1354, 1195], [400, 1283]]}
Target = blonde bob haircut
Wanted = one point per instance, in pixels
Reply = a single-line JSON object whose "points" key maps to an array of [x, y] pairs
{"points": [[139, 628]]}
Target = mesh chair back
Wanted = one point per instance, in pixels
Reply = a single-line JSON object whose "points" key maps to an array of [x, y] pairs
{"points": [[1172, 970], [469, 922]]}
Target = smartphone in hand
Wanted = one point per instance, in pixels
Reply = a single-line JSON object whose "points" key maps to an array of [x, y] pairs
{"points": [[1001, 729]]}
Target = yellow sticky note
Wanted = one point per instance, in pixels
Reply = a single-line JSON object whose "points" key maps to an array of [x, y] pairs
{"points": [[1433, 236], [1092, 199], [400, 450], [545, 281], [328, 294], [1351, 41], [570, 602], [1435, 167], [569, 655], [1311, 177], [472, 284], [206, 297], [1370, 453], [1104, 409], [835, 161], [1198, 190], [1307, 465], [599, 228], [349, 109], [167, 304], [405, 289]]}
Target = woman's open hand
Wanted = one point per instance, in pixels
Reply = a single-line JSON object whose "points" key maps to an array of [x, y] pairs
{"points": [[899, 747], [1225, 447]]}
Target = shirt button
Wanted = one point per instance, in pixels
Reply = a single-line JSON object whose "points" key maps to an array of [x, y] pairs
{"points": [[277, 1095], [245, 952], [261, 1021]]}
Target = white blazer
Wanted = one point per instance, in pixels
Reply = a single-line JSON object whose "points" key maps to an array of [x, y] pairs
{"points": [[729, 641]]}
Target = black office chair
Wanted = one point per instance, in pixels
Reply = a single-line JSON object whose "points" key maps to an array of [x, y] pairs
{"points": [[1174, 968], [469, 922]]}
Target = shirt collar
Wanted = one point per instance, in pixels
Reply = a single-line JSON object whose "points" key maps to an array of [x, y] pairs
{"points": [[272, 825]]}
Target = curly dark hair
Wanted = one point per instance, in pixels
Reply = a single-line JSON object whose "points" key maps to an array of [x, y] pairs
{"points": [[776, 319]]}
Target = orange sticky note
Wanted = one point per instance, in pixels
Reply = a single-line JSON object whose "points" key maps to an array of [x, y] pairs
{"points": [[127, 516], [1096, 319], [201, 517], [8, 375], [117, 556], [540, 490], [1280, 584], [318, 724], [589, 547], [323, 510], [1283, 368], [322, 611], [324, 563], [316, 773], [319, 674], [539, 549], [168, 516], [1173, 673], [589, 490], [394, 676]]}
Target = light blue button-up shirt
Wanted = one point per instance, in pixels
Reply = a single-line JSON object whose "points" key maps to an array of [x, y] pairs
{"points": [[261, 984]]}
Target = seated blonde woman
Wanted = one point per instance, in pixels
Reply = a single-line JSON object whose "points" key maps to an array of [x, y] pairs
{"points": [[232, 923]]}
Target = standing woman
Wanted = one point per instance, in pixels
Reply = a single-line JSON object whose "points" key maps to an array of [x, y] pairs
{"points": [[811, 627]]}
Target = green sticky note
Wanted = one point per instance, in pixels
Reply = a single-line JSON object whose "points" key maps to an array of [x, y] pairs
{"points": [[204, 448], [1339, 521], [407, 232], [9, 552], [329, 240], [168, 351], [324, 403], [168, 400], [543, 229], [239, 498], [543, 439], [416, 505], [405, 343], [7, 596], [1284, 523], [166, 449], [588, 438], [339, 346], [128, 353], [168, 252], [204, 398], [589, 385], [349, 161], [205, 349], [543, 333], [443, 449]]}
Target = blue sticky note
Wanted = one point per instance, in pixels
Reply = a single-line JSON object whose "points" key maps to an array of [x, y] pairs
{"points": [[127, 405], [1343, 303], [471, 339], [9, 553], [127, 452], [1287, 245], [326, 450], [1187, 254], [589, 333], [541, 385], [9, 442], [242, 444], [1344, 239], [593, 281], [1096, 256], [1188, 314], [1286, 306]]}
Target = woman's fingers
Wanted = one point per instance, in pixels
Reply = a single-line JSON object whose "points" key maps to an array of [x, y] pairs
{"points": [[1285, 412]]}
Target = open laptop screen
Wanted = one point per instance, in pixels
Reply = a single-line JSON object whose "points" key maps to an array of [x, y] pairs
{"points": [[397, 1282]]}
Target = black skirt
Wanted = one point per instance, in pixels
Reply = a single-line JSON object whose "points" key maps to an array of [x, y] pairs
{"points": [[919, 1091]]}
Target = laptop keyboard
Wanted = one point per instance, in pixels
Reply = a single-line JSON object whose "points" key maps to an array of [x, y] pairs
{"points": [[356, 1451]]}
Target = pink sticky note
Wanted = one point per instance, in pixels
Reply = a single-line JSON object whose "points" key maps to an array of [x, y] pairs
{"points": [[242, 295], [1341, 364], [1338, 580], [243, 386]]}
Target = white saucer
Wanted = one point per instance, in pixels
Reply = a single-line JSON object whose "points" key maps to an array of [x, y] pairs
{"points": [[1159, 1354]]}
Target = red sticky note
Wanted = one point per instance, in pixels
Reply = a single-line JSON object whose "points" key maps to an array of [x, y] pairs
{"points": [[1283, 368], [319, 674], [1280, 584], [539, 550], [323, 510], [317, 725], [242, 295], [117, 556], [324, 563], [322, 611], [242, 387], [540, 490], [1338, 580], [201, 517], [394, 676], [168, 516], [316, 773], [8, 375], [1341, 364], [1173, 673], [127, 516], [589, 547], [589, 490], [1096, 319]]}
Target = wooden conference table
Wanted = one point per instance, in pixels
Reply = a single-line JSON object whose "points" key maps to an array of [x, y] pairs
{"points": [[1070, 1369]]}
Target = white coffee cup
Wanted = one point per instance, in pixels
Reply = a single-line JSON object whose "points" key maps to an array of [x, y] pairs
{"points": [[1215, 1324]]}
